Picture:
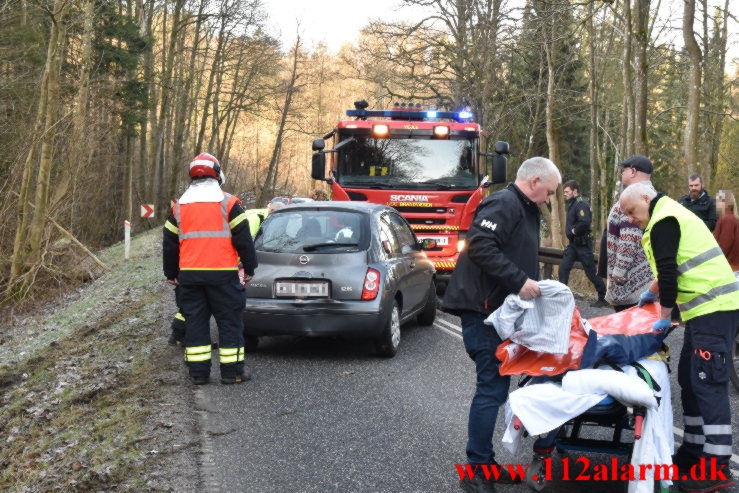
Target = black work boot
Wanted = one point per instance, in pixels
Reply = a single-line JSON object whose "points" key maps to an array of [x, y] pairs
{"points": [[691, 485], [600, 303], [199, 379], [175, 339], [244, 376], [477, 484]]}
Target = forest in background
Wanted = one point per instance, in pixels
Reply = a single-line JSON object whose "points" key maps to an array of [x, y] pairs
{"points": [[103, 103]]}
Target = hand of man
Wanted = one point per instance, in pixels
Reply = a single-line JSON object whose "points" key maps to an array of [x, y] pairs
{"points": [[173, 282], [529, 290], [247, 278], [618, 279], [661, 325], [647, 297]]}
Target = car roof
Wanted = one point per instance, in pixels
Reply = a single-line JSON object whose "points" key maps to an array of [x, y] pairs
{"points": [[362, 207]]}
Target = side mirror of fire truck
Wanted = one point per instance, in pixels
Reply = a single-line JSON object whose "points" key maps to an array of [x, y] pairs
{"points": [[318, 169], [500, 162], [318, 144]]}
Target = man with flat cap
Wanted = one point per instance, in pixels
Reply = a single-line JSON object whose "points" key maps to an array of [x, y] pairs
{"points": [[628, 270]]}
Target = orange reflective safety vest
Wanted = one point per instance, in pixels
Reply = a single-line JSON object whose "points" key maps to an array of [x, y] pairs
{"points": [[205, 235]]}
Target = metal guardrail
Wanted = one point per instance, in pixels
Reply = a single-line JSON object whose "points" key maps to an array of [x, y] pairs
{"points": [[551, 256]]}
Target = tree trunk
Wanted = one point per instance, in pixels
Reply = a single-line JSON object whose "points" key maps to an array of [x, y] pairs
{"points": [[642, 68], [558, 216], [267, 187], [690, 143], [57, 40], [627, 122], [593, 119]]}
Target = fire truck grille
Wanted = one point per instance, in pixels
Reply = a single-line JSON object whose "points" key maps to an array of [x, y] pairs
{"points": [[408, 208]]}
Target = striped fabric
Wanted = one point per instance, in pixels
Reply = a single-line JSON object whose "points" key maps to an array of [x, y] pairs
{"points": [[540, 324]]}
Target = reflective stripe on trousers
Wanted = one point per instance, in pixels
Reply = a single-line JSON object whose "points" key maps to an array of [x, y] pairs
{"points": [[197, 353], [231, 355]]}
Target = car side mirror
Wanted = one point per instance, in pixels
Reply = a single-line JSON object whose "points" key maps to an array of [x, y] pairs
{"points": [[427, 244], [318, 168]]}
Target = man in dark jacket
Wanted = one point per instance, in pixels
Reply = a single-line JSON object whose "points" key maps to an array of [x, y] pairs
{"points": [[501, 258], [580, 246], [699, 202]]}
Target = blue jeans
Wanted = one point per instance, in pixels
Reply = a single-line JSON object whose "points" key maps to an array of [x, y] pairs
{"points": [[481, 341]]}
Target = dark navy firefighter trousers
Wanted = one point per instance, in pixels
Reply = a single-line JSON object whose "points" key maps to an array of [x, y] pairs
{"points": [[225, 302], [703, 374]]}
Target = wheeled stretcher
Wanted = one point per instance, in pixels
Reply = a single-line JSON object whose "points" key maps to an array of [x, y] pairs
{"points": [[561, 394]]}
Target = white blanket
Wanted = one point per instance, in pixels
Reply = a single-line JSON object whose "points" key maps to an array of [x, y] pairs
{"points": [[544, 407]]}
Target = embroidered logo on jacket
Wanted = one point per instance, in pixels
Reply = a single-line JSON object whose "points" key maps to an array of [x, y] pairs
{"points": [[488, 224]]}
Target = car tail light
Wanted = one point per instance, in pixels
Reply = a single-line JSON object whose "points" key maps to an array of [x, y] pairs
{"points": [[371, 285]]}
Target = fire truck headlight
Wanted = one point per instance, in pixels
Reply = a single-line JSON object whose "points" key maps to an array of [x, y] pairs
{"points": [[441, 131], [460, 245], [380, 130]]}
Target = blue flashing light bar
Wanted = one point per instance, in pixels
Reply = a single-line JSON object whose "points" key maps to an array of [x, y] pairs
{"points": [[459, 116]]}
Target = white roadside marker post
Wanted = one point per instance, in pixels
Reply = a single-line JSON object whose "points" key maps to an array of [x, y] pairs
{"points": [[127, 238]]}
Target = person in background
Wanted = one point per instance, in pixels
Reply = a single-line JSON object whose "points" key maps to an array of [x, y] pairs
{"points": [[501, 258], [628, 270], [580, 247], [699, 202], [692, 274], [727, 227], [204, 238]]}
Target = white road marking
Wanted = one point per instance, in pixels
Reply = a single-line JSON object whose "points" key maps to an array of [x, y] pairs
{"points": [[449, 326], [448, 331], [456, 330]]}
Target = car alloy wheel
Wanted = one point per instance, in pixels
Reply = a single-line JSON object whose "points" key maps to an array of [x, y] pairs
{"points": [[388, 342]]}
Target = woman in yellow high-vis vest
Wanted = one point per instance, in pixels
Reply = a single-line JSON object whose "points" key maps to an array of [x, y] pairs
{"points": [[692, 272]]}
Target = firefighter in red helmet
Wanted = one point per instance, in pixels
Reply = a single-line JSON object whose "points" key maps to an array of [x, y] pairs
{"points": [[204, 238]]}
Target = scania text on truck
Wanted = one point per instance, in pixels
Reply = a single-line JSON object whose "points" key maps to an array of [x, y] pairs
{"points": [[427, 164]]}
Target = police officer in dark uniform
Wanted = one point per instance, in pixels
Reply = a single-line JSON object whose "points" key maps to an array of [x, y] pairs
{"points": [[580, 247]]}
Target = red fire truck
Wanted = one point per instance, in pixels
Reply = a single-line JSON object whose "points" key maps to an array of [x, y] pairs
{"points": [[425, 163]]}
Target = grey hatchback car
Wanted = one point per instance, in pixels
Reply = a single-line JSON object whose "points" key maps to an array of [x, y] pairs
{"points": [[346, 269]]}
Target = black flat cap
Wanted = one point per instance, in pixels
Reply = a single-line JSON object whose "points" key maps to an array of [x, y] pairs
{"points": [[639, 163]]}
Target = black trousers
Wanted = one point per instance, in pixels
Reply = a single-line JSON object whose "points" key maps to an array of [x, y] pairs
{"points": [[584, 254], [703, 374], [225, 302]]}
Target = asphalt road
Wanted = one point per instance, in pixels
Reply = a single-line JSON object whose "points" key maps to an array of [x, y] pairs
{"points": [[328, 415]]}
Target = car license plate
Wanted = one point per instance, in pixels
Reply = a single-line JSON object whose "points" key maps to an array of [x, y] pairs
{"points": [[440, 240], [297, 289]]}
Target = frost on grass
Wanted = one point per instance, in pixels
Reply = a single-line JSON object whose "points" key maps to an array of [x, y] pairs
{"points": [[86, 387]]}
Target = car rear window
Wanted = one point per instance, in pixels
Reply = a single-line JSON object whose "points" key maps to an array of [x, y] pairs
{"points": [[313, 230]]}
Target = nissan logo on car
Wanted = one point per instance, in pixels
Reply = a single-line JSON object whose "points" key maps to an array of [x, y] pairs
{"points": [[303, 259]]}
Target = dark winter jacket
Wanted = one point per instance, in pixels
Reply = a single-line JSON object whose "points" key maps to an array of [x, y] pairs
{"points": [[502, 253], [579, 219], [704, 207]]}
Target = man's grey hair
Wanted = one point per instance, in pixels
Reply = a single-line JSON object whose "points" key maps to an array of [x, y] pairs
{"points": [[637, 190], [538, 166]]}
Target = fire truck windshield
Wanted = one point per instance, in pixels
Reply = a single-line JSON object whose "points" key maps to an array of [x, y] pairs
{"points": [[422, 164]]}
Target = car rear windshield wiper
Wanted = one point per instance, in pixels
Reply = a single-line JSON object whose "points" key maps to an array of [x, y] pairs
{"points": [[310, 248]]}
